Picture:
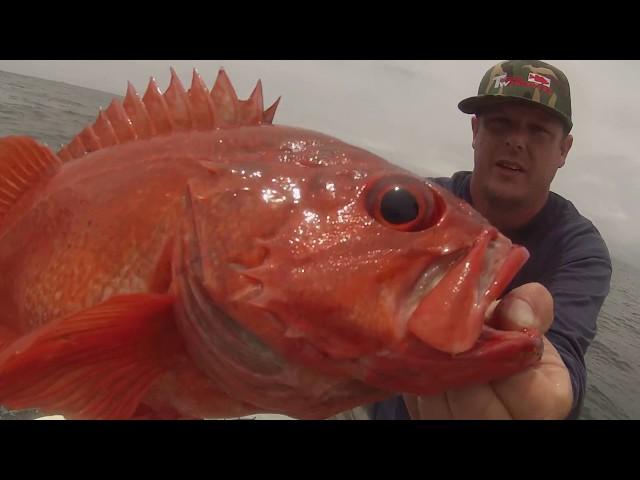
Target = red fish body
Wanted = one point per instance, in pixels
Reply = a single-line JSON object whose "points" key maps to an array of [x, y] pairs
{"points": [[185, 258]]}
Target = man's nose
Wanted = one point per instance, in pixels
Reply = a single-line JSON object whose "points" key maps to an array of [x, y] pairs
{"points": [[515, 140]]}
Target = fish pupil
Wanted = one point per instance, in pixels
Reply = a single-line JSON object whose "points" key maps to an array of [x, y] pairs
{"points": [[399, 206]]}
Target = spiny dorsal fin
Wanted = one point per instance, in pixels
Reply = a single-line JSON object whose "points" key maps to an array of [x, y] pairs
{"points": [[23, 163], [176, 110]]}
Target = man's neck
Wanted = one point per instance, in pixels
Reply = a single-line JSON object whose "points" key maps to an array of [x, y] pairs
{"points": [[505, 217]]}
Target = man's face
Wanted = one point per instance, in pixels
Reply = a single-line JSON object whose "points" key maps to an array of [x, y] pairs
{"points": [[518, 150]]}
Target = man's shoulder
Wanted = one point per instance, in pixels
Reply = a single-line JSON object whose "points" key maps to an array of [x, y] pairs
{"points": [[576, 230], [456, 183]]}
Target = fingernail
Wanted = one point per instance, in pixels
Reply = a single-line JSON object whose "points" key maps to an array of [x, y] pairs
{"points": [[490, 309], [519, 312]]}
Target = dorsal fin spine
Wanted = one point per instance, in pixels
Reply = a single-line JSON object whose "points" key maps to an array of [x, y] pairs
{"points": [[252, 109], [90, 139], [270, 112], [178, 105], [201, 105], [225, 100], [64, 154], [157, 108], [120, 122], [77, 148], [138, 114], [104, 131]]}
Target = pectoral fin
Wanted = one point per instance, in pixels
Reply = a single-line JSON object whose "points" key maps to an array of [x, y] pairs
{"points": [[94, 364]]}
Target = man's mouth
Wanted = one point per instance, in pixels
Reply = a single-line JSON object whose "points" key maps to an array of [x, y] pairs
{"points": [[509, 166]]}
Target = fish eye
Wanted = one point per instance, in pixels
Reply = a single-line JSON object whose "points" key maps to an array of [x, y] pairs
{"points": [[402, 203], [399, 206]]}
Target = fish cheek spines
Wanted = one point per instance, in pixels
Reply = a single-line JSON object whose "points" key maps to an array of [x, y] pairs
{"points": [[205, 285], [224, 225]]}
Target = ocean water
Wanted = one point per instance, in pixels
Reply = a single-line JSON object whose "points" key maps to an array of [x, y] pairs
{"points": [[613, 359], [54, 112]]}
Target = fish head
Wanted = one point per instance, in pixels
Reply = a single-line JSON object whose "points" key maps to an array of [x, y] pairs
{"points": [[330, 257]]}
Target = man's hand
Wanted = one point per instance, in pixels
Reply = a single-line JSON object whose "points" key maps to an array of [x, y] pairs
{"points": [[542, 391]]}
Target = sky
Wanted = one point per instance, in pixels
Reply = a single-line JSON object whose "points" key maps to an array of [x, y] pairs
{"points": [[406, 111]]}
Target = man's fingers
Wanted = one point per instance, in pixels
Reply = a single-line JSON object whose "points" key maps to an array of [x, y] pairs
{"points": [[529, 306], [475, 402], [432, 407]]}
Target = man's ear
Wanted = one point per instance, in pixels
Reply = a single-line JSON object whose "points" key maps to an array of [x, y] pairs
{"points": [[565, 146], [474, 128]]}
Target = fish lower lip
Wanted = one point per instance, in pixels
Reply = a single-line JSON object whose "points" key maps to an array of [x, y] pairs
{"points": [[513, 261], [494, 342], [432, 275]]}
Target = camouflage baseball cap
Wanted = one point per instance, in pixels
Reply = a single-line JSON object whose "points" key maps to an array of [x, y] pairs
{"points": [[525, 81]]}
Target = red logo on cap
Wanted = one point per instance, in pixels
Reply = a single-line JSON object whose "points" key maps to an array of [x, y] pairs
{"points": [[539, 79], [534, 81]]}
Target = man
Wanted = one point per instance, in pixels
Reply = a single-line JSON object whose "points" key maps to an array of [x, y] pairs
{"points": [[521, 124]]}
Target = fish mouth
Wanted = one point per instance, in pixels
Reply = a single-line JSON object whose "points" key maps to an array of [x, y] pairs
{"points": [[450, 298], [447, 342]]}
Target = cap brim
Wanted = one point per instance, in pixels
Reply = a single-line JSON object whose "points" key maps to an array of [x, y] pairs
{"points": [[478, 103]]}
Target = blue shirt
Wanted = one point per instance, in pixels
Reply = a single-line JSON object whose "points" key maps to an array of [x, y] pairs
{"points": [[570, 258]]}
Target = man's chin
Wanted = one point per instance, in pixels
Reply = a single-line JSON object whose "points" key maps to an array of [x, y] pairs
{"points": [[506, 197]]}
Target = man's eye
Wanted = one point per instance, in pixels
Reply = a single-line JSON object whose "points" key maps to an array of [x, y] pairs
{"points": [[498, 124], [539, 131]]}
